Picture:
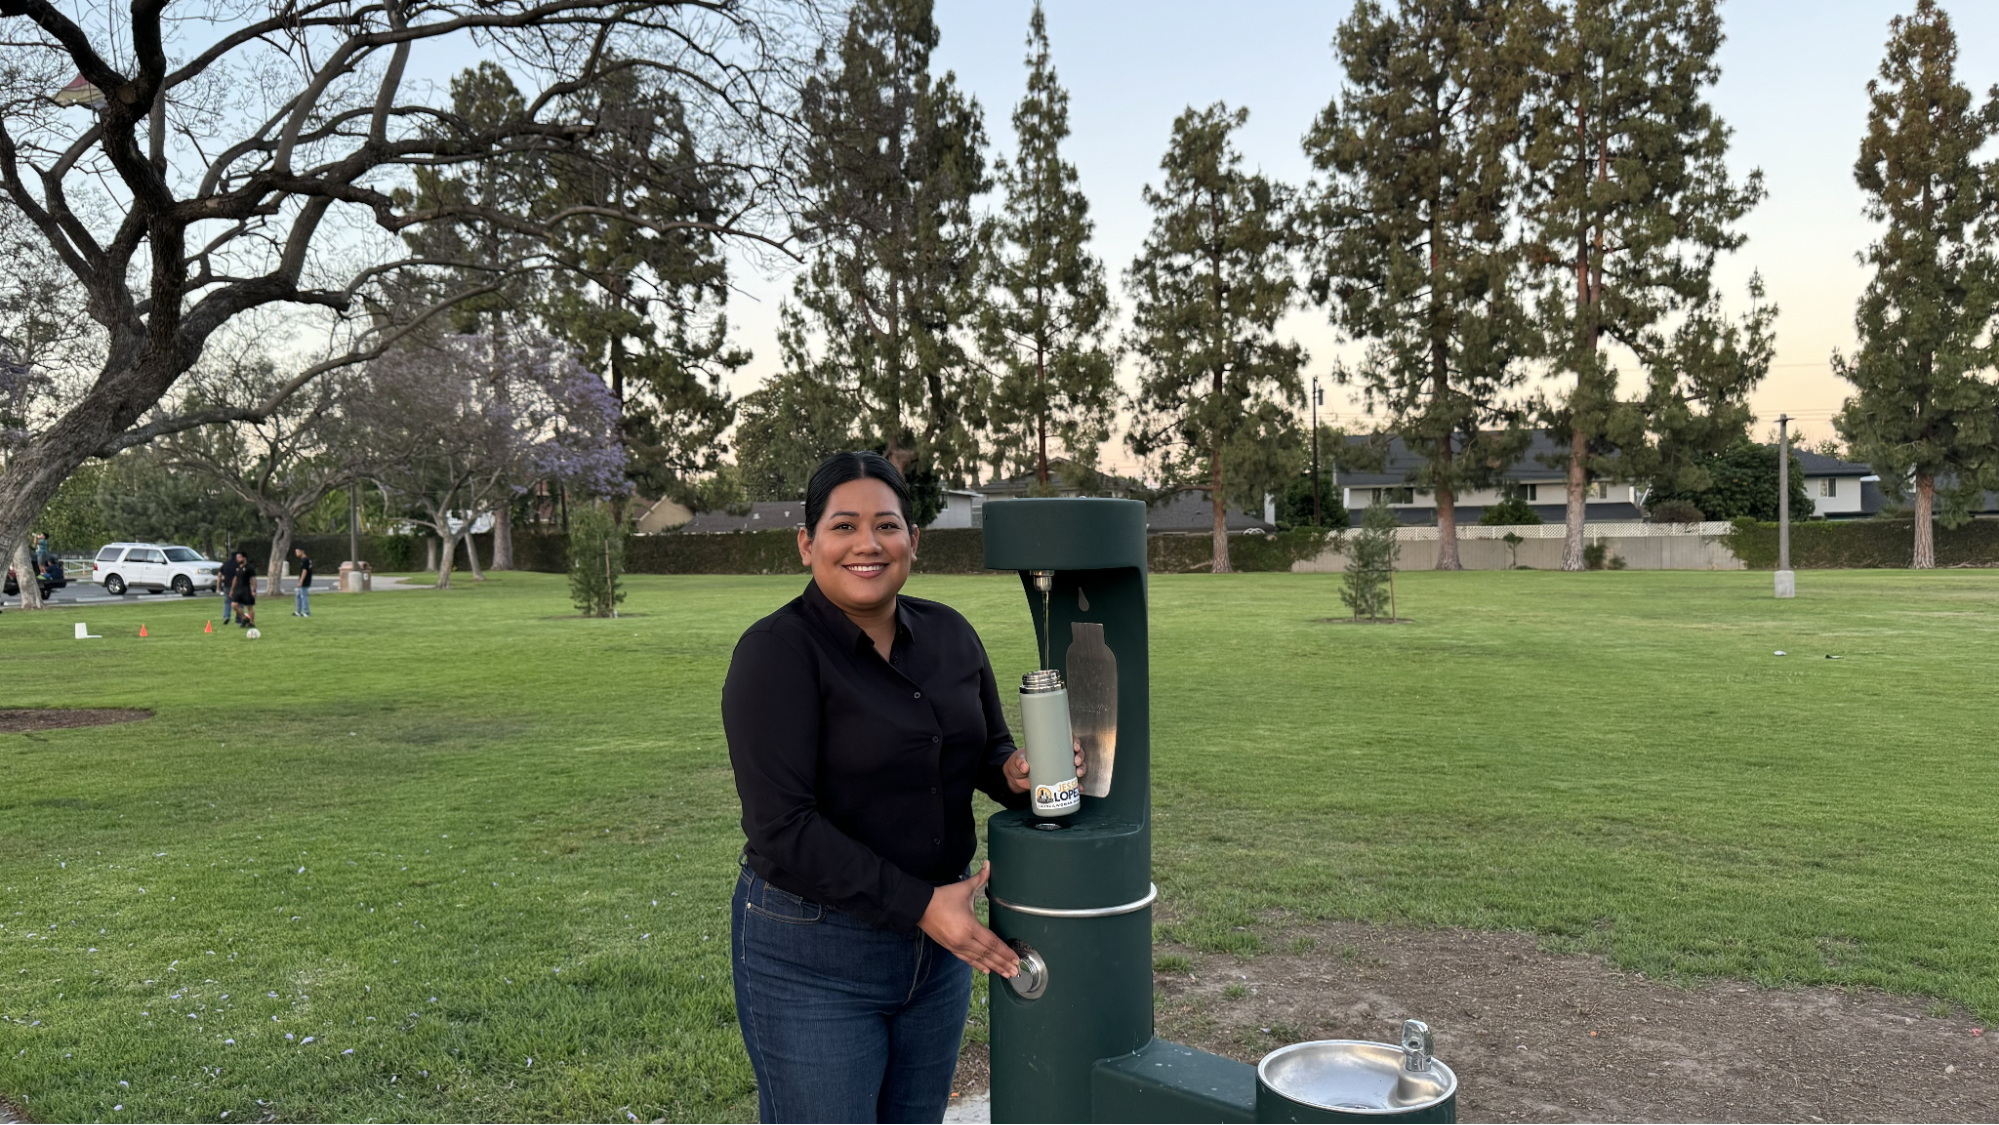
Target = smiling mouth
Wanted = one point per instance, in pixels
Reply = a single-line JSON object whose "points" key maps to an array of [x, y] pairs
{"points": [[866, 570]]}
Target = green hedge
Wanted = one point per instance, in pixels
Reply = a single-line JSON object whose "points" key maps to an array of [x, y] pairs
{"points": [[385, 552], [942, 551], [1862, 544]]}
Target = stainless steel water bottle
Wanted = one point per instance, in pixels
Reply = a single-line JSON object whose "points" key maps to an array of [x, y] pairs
{"points": [[1051, 752]]}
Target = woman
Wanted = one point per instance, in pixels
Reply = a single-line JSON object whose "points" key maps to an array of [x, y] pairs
{"points": [[859, 723]]}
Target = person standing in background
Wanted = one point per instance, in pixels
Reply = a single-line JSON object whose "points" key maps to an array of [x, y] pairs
{"points": [[303, 608], [225, 584]]}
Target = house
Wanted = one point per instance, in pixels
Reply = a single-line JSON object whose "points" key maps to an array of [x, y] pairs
{"points": [[1839, 490], [1530, 477], [662, 515], [963, 507]]}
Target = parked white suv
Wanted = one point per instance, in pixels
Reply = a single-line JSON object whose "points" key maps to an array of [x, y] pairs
{"points": [[154, 566]]}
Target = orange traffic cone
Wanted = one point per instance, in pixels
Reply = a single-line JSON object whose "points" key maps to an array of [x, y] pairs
{"points": [[142, 630], [210, 628]]}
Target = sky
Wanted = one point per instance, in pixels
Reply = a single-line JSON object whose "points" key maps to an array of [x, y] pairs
{"points": [[1793, 88]]}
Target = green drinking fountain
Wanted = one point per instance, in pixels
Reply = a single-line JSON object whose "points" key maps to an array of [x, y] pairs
{"points": [[1072, 891]]}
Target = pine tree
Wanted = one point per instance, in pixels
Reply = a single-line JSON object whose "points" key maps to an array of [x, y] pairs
{"points": [[1049, 308], [642, 297], [1414, 241], [1697, 397], [893, 160], [1632, 203], [1214, 275], [1922, 411], [596, 560], [791, 423], [1368, 584]]}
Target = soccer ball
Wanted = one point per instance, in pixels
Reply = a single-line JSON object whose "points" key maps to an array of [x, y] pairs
{"points": [[252, 634]]}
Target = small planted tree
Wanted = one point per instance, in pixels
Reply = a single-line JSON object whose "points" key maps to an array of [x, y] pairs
{"points": [[596, 560], [1369, 587]]}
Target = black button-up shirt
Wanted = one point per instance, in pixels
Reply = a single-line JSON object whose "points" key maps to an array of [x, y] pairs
{"points": [[856, 773]]}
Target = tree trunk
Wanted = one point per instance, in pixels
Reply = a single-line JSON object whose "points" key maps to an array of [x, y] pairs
{"points": [[430, 552], [24, 574], [1221, 564], [1447, 530], [503, 538], [1447, 512], [281, 547], [1572, 521], [472, 554], [446, 558], [1924, 556], [1041, 415]]}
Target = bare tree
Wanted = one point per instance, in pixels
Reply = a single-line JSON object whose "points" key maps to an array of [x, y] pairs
{"points": [[283, 463], [227, 160]]}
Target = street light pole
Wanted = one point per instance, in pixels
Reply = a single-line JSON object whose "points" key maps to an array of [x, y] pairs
{"points": [[1318, 396], [1787, 580]]}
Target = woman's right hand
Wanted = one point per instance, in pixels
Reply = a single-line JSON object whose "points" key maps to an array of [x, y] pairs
{"points": [[950, 923]]}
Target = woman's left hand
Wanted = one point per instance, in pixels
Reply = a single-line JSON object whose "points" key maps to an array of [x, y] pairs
{"points": [[1016, 768]]}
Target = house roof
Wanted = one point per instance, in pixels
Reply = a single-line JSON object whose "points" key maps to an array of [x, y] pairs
{"points": [[1192, 511], [764, 515], [1819, 465], [1097, 479], [1402, 462]]}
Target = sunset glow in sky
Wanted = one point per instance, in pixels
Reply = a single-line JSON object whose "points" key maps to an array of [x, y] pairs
{"points": [[1793, 88]]}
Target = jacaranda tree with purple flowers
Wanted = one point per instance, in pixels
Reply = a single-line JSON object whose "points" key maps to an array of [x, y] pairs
{"points": [[459, 425]]}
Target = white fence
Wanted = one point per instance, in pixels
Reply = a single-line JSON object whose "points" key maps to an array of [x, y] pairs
{"points": [[1619, 529], [1639, 546]]}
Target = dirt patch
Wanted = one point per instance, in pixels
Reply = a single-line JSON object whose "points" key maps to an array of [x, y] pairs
{"points": [[10, 1113], [1537, 1036], [1364, 621], [975, 1073], [21, 722]]}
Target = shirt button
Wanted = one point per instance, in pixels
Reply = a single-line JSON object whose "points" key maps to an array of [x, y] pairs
{"points": [[935, 738], [919, 695], [933, 790], [935, 840]]}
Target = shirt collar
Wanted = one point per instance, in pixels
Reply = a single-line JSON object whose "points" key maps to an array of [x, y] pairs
{"points": [[843, 626]]}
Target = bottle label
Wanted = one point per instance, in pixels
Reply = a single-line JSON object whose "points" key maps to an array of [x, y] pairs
{"points": [[1059, 797]]}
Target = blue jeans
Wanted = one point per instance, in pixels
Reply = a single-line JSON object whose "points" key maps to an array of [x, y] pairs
{"points": [[303, 607], [843, 1021]]}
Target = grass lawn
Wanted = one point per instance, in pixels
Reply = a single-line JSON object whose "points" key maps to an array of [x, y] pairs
{"points": [[373, 864]]}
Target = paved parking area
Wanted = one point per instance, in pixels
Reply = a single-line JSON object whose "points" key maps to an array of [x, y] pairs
{"points": [[89, 593]]}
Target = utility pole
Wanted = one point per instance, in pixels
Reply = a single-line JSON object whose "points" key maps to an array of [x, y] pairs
{"points": [[1787, 580], [354, 523], [1318, 396]]}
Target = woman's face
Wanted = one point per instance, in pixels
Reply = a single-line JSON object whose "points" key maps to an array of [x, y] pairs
{"points": [[861, 550]]}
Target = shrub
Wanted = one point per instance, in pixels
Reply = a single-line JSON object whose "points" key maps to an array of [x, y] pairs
{"points": [[1673, 511], [1594, 555], [1510, 512], [596, 560]]}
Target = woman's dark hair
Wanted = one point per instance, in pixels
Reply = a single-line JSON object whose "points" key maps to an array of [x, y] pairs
{"points": [[840, 468]]}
